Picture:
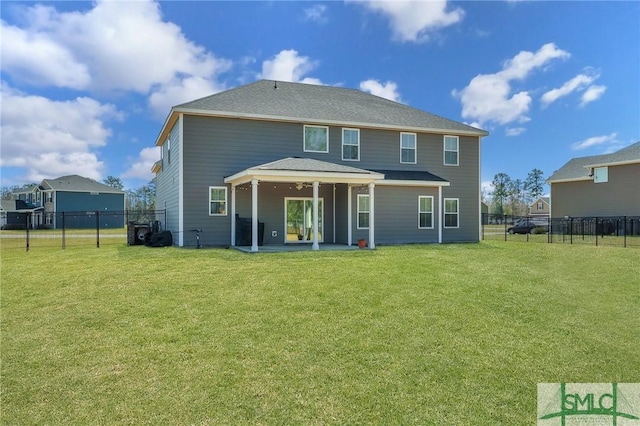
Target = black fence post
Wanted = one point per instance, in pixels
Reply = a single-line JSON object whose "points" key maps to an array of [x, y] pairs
{"points": [[64, 239], [504, 219], [571, 227], [26, 227], [624, 232], [97, 228], [596, 220]]}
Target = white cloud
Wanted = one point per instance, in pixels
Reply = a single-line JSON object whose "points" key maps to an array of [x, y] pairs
{"points": [[592, 93], [594, 141], [489, 98], [121, 46], [180, 90], [316, 13], [515, 131], [577, 83], [23, 54], [141, 166], [415, 20], [52, 138], [288, 65], [388, 90]]}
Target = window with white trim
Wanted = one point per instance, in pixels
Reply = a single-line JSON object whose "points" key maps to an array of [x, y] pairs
{"points": [[363, 211], [451, 146], [408, 148], [351, 144], [601, 174], [168, 151], [425, 212], [217, 201], [316, 139], [451, 219]]}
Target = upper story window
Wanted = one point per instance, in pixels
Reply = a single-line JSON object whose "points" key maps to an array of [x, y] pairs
{"points": [[540, 206], [408, 148], [316, 139], [451, 145], [351, 144], [217, 201], [168, 151], [601, 174]]}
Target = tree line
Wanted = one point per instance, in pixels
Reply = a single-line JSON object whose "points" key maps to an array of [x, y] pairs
{"points": [[514, 196], [139, 199]]}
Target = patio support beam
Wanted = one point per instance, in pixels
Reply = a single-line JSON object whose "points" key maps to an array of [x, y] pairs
{"points": [[372, 233], [254, 215], [315, 245], [233, 215], [349, 218]]}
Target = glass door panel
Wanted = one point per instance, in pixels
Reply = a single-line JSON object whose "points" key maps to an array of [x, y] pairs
{"points": [[299, 222]]}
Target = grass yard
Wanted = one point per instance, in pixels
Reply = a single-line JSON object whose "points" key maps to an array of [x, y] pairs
{"points": [[437, 334]]}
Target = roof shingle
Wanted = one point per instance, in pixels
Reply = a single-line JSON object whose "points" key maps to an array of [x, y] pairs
{"points": [[322, 104]]}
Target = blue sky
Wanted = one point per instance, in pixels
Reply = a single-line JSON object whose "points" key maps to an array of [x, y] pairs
{"points": [[86, 86]]}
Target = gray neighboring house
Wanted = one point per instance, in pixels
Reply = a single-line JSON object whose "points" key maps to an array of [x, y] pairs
{"points": [[80, 197], [289, 163], [599, 185]]}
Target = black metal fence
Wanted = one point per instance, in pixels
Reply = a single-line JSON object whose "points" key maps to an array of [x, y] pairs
{"points": [[620, 231], [29, 230]]}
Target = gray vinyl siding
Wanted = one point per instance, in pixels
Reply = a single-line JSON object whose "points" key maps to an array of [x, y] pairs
{"points": [[620, 196], [167, 182], [215, 148], [396, 215]]}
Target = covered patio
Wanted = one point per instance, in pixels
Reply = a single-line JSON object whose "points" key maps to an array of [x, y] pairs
{"points": [[303, 172]]}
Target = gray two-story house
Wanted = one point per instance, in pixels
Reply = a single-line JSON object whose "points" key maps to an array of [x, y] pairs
{"points": [[599, 185], [288, 163]]}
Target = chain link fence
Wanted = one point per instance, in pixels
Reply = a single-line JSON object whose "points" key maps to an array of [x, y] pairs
{"points": [[618, 231], [32, 230]]}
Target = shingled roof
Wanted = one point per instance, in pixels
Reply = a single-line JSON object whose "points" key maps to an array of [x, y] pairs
{"points": [[309, 103], [578, 168], [75, 183]]}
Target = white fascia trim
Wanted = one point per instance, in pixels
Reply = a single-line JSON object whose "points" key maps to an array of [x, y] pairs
{"points": [[581, 179], [169, 122], [305, 176], [317, 121], [390, 182]]}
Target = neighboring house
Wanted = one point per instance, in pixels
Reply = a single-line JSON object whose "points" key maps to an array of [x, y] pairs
{"points": [[15, 214], [290, 163], [600, 185], [79, 198], [540, 207]]}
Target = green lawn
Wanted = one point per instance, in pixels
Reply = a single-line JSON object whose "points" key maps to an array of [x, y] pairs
{"points": [[436, 334]]}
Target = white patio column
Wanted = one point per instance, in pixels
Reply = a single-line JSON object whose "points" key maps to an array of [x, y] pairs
{"points": [[233, 215], [349, 218], [372, 233], [440, 218], [254, 215], [315, 245]]}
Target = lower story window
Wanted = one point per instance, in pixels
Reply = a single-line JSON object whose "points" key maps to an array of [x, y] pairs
{"points": [[363, 211], [451, 214], [217, 201], [425, 212]]}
